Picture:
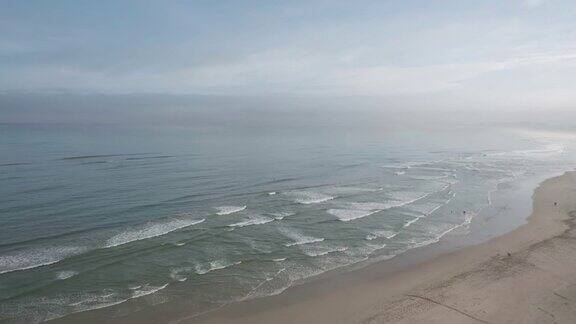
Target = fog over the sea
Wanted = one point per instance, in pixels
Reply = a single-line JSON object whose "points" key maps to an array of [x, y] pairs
{"points": [[80, 61], [268, 115]]}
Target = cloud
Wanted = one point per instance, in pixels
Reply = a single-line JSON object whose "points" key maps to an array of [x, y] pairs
{"points": [[288, 71], [533, 3], [484, 49]]}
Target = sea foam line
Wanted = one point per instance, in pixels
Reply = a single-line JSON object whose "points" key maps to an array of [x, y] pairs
{"points": [[297, 237], [305, 240], [376, 234], [310, 197], [467, 221], [149, 231], [412, 221], [347, 215], [75, 303], [227, 210], [37, 257], [320, 252], [65, 274], [147, 290], [407, 202], [259, 220], [215, 265]]}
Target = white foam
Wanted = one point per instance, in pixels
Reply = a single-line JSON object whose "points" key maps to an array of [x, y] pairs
{"points": [[279, 259], [321, 251], [347, 215], [215, 265], [372, 205], [84, 302], [363, 209], [438, 237], [227, 210], [403, 198], [377, 234], [395, 166], [412, 221], [365, 250], [80, 302], [37, 257], [147, 290], [549, 150], [63, 275], [253, 292], [254, 220], [406, 165], [176, 274], [44, 308], [357, 210], [272, 193], [150, 230], [429, 178], [299, 238], [439, 169], [349, 190], [427, 208], [305, 241], [434, 209], [310, 197], [282, 215]]}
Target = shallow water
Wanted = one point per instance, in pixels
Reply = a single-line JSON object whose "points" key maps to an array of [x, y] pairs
{"points": [[110, 217]]}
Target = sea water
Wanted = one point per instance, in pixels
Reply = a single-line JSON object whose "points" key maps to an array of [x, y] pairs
{"points": [[119, 217]]}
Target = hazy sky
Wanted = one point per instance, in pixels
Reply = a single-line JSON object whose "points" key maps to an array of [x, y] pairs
{"points": [[506, 51]]}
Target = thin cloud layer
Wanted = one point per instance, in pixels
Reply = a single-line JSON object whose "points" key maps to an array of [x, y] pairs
{"points": [[493, 50]]}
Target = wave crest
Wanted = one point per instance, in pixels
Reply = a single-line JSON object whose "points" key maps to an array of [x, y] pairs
{"points": [[227, 210], [150, 230]]}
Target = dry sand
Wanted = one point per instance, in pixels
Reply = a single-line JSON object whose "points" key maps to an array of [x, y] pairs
{"points": [[525, 276]]}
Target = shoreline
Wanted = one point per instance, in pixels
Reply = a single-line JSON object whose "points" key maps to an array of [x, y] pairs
{"points": [[470, 284]]}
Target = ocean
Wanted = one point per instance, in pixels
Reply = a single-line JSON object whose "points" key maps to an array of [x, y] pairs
{"points": [[185, 220]]}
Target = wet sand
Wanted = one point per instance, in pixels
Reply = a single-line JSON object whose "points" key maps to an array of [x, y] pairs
{"points": [[525, 276]]}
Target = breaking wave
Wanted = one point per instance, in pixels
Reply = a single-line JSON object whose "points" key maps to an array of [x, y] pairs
{"points": [[321, 251], [255, 220], [63, 275], [347, 215], [299, 238], [310, 197], [215, 265], [378, 234], [150, 230], [227, 210], [37, 257]]}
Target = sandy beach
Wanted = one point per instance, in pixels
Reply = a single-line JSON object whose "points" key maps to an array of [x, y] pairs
{"points": [[525, 276]]}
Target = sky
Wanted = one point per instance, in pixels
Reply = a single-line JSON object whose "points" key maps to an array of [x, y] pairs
{"points": [[494, 52]]}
